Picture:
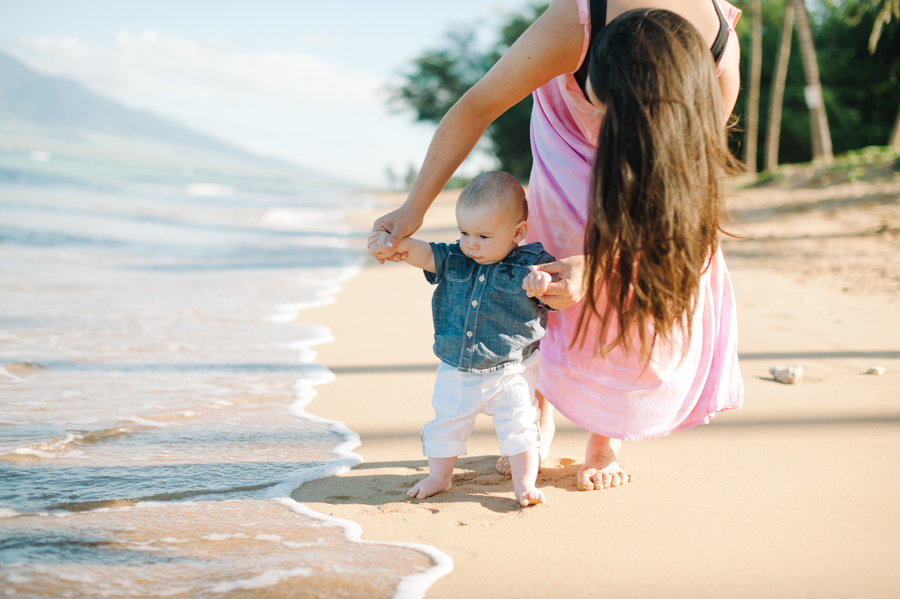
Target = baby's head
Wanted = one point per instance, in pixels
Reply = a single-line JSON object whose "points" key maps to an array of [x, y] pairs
{"points": [[491, 213]]}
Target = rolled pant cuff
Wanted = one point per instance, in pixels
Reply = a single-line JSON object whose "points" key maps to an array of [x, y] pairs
{"points": [[435, 448], [519, 443]]}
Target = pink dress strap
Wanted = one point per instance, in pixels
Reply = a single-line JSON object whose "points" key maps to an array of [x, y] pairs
{"points": [[578, 104], [584, 17]]}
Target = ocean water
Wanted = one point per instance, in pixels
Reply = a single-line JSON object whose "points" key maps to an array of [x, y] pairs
{"points": [[153, 391]]}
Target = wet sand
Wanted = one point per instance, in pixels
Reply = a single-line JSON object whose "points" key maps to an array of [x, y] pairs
{"points": [[796, 495]]}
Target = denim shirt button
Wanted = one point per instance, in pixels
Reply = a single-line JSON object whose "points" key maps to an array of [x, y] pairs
{"points": [[474, 303], [481, 278], [468, 333]]}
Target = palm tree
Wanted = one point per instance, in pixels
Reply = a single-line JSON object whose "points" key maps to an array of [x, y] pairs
{"points": [[821, 136], [889, 9], [752, 134], [776, 97]]}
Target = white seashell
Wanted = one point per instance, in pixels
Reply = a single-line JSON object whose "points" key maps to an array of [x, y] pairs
{"points": [[879, 370], [789, 376]]}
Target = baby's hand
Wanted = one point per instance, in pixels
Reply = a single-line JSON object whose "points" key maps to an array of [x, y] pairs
{"points": [[379, 250], [536, 283]]}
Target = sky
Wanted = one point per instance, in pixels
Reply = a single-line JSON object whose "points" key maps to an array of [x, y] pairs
{"points": [[299, 80]]}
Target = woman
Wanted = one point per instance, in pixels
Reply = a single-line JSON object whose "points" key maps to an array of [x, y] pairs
{"points": [[549, 60]]}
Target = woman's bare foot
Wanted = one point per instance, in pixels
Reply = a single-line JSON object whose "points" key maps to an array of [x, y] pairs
{"points": [[430, 486], [601, 469]]}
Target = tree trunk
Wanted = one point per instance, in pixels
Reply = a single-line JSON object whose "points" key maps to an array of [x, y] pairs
{"points": [[821, 136], [889, 9], [895, 134], [776, 97], [751, 136]]}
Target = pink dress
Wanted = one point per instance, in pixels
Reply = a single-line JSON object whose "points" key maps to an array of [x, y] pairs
{"points": [[617, 396]]}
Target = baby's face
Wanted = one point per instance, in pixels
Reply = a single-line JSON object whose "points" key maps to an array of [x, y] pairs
{"points": [[487, 234]]}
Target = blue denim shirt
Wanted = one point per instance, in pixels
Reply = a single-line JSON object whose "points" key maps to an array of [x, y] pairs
{"points": [[483, 319]]}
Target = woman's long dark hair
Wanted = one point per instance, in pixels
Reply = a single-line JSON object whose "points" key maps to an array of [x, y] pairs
{"points": [[657, 197]]}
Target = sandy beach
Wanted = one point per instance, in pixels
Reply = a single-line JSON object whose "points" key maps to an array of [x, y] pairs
{"points": [[796, 495]]}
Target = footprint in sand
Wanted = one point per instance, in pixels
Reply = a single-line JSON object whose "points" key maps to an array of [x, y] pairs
{"points": [[464, 478], [491, 479], [406, 508], [558, 470], [505, 510]]}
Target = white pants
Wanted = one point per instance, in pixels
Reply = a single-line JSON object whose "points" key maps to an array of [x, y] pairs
{"points": [[507, 395]]}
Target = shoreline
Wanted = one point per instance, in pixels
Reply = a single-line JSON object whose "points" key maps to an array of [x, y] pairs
{"points": [[168, 435], [757, 502], [411, 586]]}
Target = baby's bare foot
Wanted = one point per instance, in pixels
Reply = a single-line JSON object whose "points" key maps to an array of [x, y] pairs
{"points": [[430, 486], [524, 468], [528, 495], [601, 470]]}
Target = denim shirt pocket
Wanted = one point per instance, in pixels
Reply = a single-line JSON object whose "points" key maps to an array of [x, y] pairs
{"points": [[459, 269], [508, 278]]}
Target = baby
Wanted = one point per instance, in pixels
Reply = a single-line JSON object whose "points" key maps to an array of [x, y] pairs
{"points": [[486, 332]]}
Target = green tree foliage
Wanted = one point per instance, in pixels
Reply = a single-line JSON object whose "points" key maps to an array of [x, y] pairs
{"points": [[861, 90], [440, 77], [864, 87]]}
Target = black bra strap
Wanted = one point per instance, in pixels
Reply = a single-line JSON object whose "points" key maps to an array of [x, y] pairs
{"points": [[598, 22], [718, 47]]}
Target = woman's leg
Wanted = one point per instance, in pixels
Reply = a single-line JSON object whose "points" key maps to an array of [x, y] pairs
{"points": [[548, 428], [601, 469]]}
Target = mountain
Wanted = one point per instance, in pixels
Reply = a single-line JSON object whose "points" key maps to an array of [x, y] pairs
{"points": [[49, 109]]}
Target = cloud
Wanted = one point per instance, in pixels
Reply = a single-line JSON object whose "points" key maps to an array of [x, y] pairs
{"points": [[284, 104], [180, 68]]}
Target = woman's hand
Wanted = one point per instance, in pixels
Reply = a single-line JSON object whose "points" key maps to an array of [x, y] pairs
{"points": [[399, 224], [567, 288]]}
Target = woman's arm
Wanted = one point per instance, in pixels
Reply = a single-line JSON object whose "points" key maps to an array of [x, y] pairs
{"points": [[550, 47]]}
